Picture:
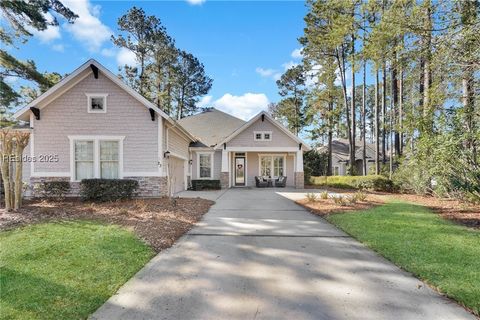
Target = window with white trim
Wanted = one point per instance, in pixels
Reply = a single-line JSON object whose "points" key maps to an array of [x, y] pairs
{"points": [[97, 103], [205, 162], [84, 160], [272, 165], [262, 135], [96, 158], [109, 160]]}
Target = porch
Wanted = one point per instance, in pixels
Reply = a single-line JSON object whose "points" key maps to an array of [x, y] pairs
{"points": [[240, 167]]}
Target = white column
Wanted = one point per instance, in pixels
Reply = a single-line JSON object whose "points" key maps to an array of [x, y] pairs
{"points": [[225, 167], [299, 161], [161, 163]]}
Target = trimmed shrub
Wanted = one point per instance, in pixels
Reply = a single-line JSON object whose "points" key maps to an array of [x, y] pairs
{"points": [[54, 189], [324, 195], [199, 185], [372, 182], [107, 189]]}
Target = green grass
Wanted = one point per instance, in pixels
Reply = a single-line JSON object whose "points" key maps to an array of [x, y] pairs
{"points": [[443, 254], [65, 270]]}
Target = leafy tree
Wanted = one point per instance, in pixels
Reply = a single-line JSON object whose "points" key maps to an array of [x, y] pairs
{"points": [[22, 16], [190, 83], [140, 31], [291, 86]]}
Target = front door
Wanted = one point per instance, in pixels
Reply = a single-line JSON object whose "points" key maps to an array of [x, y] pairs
{"points": [[239, 171]]}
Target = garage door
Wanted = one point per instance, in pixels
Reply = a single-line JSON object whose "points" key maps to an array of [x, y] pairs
{"points": [[177, 171]]}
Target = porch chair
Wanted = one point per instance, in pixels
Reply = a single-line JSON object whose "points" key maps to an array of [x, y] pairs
{"points": [[281, 182], [260, 182]]}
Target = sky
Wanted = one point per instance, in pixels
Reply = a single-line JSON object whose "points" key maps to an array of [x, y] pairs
{"points": [[244, 45]]}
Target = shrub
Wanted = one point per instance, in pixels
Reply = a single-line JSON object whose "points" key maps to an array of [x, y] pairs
{"points": [[324, 195], [314, 164], [311, 197], [372, 182], [107, 189], [340, 200], [352, 199], [54, 189], [360, 196], [199, 185]]}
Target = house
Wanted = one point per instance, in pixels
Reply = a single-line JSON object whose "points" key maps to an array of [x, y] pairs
{"points": [[341, 156], [92, 125], [235, 151]]}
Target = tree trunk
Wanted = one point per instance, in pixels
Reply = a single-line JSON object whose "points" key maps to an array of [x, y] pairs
{"points": [[352, 112], [5, 157], [400, 114], [394, 111], [384, 111], [330, 136], [364, 122], [377, 124]]}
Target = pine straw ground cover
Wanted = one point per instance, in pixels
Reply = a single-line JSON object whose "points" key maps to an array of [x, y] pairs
{"points": [[159, 222], [457, 211]]}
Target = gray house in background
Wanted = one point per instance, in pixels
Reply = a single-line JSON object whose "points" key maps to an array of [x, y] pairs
{"points": [[341, 156]]}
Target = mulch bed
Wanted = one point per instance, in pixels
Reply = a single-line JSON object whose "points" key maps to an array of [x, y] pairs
{"points": [[455, 210], [159, 222], [324, 207]]}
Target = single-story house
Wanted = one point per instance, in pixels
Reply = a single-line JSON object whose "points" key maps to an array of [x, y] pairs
{"points": [[92, 125], [341, 156]]}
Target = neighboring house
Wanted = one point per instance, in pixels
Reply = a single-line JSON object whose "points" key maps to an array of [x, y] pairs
{"points": [[235, 151], [341, 156], [92, 125]]}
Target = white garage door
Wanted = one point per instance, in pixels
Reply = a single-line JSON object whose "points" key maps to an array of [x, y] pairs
{"points": [[177, 170]]}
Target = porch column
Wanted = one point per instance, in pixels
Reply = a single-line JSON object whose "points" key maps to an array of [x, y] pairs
{"points": [[299, 179], [225, 174]]}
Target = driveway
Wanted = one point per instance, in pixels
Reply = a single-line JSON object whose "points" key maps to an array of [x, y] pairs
{"points": [[257, 255]]}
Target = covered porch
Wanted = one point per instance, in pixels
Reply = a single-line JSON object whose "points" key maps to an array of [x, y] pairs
{"points": [[240, 166]]}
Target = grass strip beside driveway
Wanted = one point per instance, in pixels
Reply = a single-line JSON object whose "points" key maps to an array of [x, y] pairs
{"points": [[443, 254], [65, 270]]}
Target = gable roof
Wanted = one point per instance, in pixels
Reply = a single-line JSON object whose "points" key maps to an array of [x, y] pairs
{"points": [[210, 126], [79, 74], [340, 149], [273, 121]]}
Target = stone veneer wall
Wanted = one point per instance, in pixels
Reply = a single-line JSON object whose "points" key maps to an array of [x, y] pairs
{"points": [[224, 180], [147, 186], [299, 180]]}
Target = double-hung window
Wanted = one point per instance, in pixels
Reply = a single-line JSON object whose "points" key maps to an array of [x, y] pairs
{"points": [[84, 160], [96, 157], [272, 165], [205, 165]]}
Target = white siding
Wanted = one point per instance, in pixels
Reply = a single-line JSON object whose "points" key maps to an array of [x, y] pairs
{"points": [[279, 138]]}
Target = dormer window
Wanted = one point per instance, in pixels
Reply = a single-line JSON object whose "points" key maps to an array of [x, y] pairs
{"points": [[262, 136], [96, 102]]}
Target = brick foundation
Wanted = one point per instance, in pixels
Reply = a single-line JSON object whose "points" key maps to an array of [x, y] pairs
{"points": [[147, 186], [299, 180], [224, 180]]}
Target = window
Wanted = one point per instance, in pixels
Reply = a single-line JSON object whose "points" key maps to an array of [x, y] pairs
{"points": [[205, 165], [84, 160], [262, 136], [96, 157], [97, 103], [109, 159], [272, 165]]}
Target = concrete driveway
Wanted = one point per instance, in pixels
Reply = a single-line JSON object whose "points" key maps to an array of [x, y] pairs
{"points": [[257, 255]]}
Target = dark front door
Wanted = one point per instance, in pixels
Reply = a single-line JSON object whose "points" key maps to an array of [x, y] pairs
{"points": [[239, 171]]}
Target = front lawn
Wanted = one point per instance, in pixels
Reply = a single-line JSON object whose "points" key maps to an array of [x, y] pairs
{"points": [[443, 254], [65, 270]]}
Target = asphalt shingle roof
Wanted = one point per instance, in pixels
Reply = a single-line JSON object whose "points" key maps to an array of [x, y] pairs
{"points": [[210, 126]]}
